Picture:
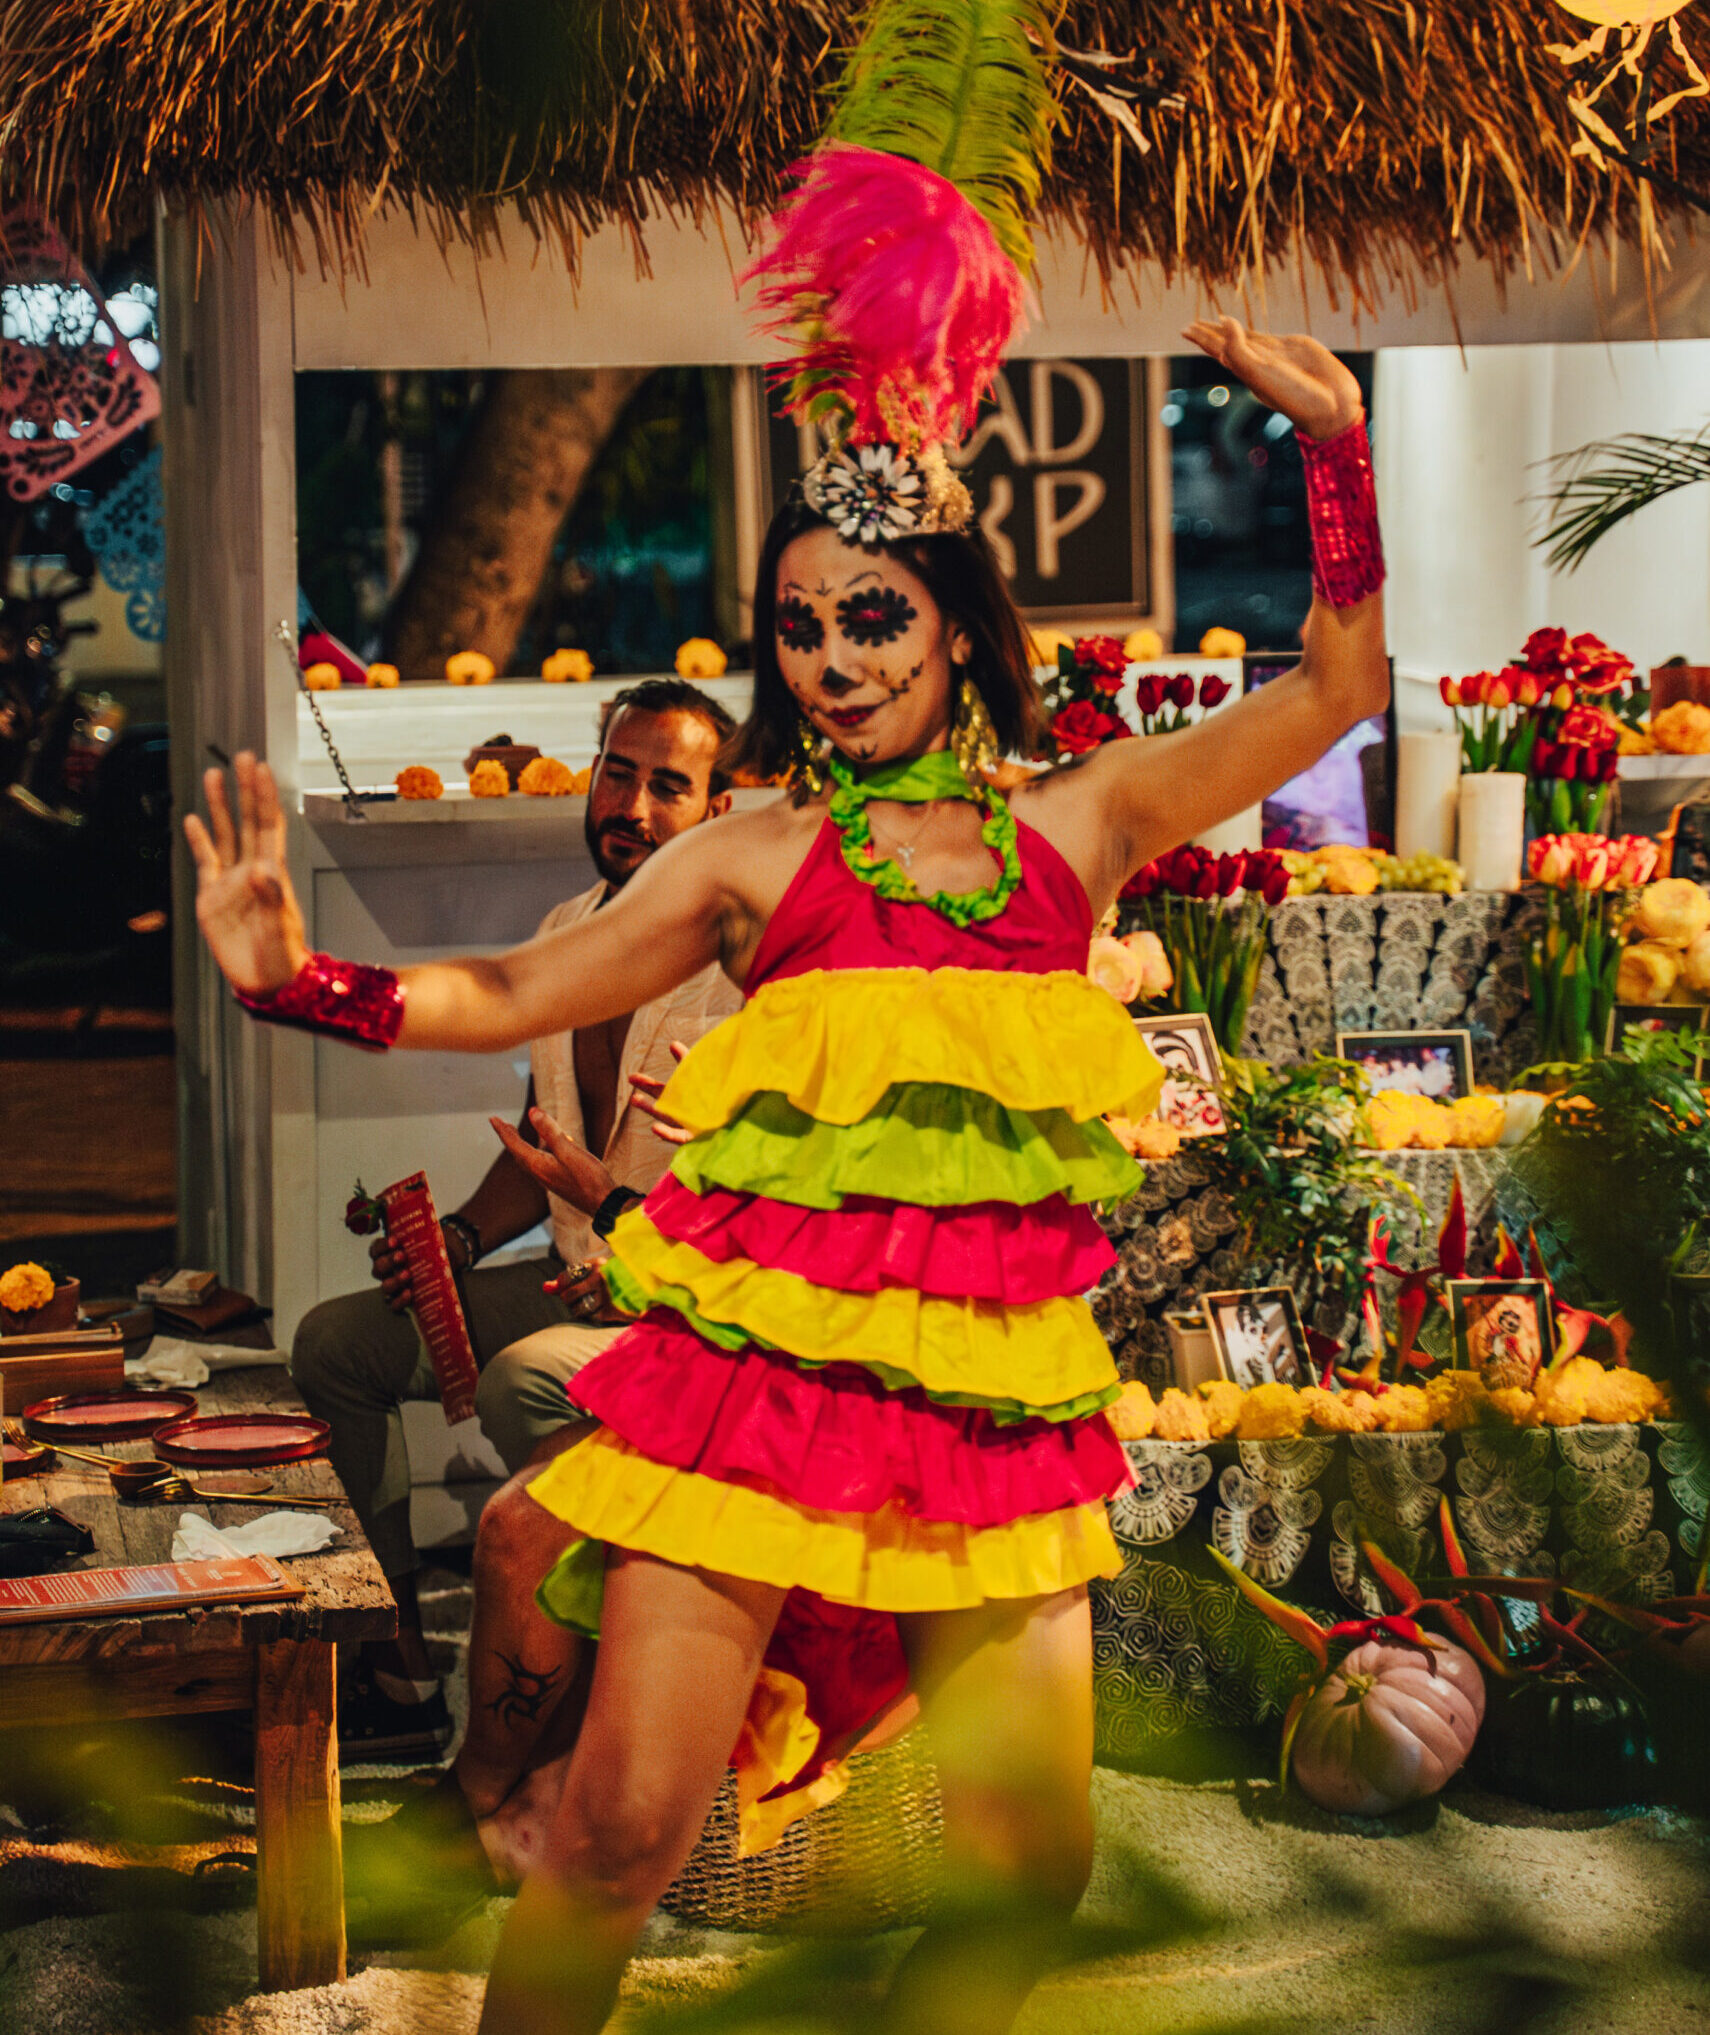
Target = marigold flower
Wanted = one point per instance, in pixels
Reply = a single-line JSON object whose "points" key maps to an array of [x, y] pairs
{"points": [[26, 1287], [1340, 1412], [469, 667], [1514, 1404], [1223, 643], [1270, 1412], [1403, 1409], [700, 657], [1180, 1418], [416, 780], [1221, 1398], [489, 779], [381, 676], [1646, 973], [1564, 1391], [1143, 646], [1673, 909], [322, 678], [546, 777], [1134, 1415], [1456, 1399], [567, 667], [1621, 1396], [1148, 1138]]}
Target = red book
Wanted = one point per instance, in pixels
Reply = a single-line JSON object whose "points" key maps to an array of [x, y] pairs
{"points": [[412, 1229], [167, 1586]]}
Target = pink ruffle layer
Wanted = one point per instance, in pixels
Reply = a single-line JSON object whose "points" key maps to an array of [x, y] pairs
{"points": [[989, 1251], [833, 1438]]}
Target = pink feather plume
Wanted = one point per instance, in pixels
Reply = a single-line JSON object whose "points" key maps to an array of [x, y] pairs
{"points": [[901, 286]]}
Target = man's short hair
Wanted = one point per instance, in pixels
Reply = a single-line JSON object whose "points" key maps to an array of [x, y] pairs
{"points": [[675, 696]]}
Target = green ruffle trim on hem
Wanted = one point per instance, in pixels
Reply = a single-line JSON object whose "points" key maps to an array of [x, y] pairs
{"points": [[628, 1293], [930, 1145], [572, 1593]]}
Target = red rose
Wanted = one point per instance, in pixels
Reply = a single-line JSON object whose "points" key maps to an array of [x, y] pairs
{"points": [[1148, 693], [1109, 683], [1101, 653], [363, 1215], [1588, 728], [1605, 766], [1082, 726], [1213, 692], [1546, 651], [1179, 691]]}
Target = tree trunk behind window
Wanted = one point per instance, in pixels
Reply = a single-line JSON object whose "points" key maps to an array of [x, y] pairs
{"points": [[485, 554]]}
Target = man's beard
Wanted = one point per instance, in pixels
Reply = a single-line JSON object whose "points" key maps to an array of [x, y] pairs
{"points": [[614, 877]]}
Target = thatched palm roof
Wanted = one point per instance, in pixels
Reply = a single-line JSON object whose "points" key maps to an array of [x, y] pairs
{"points": [[1366, 137]]}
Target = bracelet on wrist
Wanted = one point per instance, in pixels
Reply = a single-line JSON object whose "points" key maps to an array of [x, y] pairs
{"points": [[604, 1218], [346, 999], [1341, 506], [460, 1226]]}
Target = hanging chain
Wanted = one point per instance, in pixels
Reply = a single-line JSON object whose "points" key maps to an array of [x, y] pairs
{"points": [[287, 638]]}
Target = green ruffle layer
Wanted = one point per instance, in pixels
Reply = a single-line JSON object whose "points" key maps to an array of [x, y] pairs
{"points": [[927, 1144], [628, 1293]]}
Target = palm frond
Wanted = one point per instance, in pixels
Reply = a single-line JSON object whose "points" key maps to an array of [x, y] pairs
{"points": [[1613, 478], [962, 87]]}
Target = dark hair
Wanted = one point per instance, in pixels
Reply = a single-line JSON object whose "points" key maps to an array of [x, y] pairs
{"points": [[962, 577], [676, 696]]}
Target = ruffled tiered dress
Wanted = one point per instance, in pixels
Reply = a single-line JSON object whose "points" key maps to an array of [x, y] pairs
{"points": [[863, 1366]]}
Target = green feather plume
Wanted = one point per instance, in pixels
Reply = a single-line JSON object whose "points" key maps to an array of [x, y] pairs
{"points": [[964, 88]]}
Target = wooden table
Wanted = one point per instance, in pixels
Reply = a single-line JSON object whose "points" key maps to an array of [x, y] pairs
{"points": [[277, 1660]]}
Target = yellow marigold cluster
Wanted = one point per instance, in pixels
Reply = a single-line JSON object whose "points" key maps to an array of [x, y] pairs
{"points": [[1150, 1140], [700, 657], [1180, 1418], [382, 676], [1403, 1409], [322, 678], [1270, 1413], [1222, 1401], [470, 667], [574, 667], [1400, 1122], [25, 1288], [489, 779], [1134, 1415], [1145, 646], [546, 777], [1222, 643], [416, 780], [1682, 729], [1340, 1412]]}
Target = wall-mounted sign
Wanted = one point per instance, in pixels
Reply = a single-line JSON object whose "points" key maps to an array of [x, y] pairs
{"points": [[1060, 470]]}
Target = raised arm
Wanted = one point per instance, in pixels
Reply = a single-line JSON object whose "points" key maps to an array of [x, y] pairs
{"points": [[1131, 801], [672, 918]]}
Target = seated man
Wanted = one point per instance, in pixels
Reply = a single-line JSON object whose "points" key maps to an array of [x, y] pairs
{"points": [[356, 1358]]}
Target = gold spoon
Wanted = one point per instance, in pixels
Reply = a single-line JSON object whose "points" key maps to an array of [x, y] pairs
{"points": [[169, 1490]]}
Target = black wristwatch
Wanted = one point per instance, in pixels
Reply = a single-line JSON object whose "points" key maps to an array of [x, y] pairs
{"points": [[604, 1219], [468, 1232]]}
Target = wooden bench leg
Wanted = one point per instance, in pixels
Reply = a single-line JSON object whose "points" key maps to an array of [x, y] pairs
{"points": [[299, 1850]]}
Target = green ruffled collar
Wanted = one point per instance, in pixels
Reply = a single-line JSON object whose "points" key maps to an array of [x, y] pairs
{"points": [[935, 776]]}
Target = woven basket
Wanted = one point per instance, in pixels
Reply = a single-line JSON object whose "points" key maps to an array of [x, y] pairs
{"points": [[867, 1861]]}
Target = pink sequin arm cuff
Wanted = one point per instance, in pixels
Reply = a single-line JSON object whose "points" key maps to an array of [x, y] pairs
{"points": [[1341, 501], [344, 998]]}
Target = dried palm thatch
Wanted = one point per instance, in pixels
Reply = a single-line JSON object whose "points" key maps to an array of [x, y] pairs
{"points": [[1371, 139]]}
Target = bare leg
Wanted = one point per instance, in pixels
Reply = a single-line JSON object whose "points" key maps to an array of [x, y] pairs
{"points": [[679, 1651], [1007, 1695]]}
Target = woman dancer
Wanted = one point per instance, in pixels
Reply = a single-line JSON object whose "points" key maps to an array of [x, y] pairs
{"points": [[856, 1371]]}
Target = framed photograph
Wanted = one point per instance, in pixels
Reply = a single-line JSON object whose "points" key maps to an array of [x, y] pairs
{"points": [[1193, 1074], [1503, 1328], [1258, 1336], [1349, 793], [1656, 1017], [1437, 1064]]}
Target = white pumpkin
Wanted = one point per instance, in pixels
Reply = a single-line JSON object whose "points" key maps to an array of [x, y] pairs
{"points": [[1388, 1726]]}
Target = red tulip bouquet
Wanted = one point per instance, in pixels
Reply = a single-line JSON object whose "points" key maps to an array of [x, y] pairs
{"points": [[1211, 913], [1082, 697], [1571, 965]]}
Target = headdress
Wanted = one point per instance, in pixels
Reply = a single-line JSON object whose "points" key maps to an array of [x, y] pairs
{"points": [[898, 266]]}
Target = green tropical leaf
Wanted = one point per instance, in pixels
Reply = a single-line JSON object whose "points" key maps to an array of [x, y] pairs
{"points": [[964, 88], [1613, 478]]}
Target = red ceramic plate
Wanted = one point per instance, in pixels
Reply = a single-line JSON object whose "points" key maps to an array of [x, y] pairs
{"points": [[105, 1416], [22, 1460], [240, 1441]]}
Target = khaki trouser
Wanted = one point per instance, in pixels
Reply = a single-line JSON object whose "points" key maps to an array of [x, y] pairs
{"points": [[355, 1362]]}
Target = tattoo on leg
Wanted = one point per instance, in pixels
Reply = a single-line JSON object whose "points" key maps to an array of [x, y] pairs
{"points": [[799, 628], [522, 1696], [877, 614]]}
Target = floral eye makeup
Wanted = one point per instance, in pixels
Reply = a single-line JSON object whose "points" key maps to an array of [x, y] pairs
{"points": [[799, 628], [878, 614]]}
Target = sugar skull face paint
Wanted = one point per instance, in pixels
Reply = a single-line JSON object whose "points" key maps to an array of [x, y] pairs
{"points": [[864, 648], [877, 614], [799, 628]]}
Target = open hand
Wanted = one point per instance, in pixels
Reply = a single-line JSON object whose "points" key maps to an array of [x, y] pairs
{"points": [[244, 901], [562, 1166], [644, 1092], [1294, 374]]}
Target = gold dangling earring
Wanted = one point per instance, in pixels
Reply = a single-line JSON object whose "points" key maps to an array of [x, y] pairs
{"points": [[973, 739], [806, 774]]}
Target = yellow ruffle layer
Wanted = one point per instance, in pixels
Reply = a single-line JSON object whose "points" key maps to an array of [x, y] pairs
{"points": [[835, 1040], [885, 1560], [1042, 1355]]}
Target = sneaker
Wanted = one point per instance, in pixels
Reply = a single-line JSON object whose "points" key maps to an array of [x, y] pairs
{"points": [[375, 1726]]}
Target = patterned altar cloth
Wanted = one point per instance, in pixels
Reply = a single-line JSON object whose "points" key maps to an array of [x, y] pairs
{"points": [[1620, 1510]]}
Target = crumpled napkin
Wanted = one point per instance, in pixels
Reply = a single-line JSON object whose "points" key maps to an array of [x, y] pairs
{"points": [[169, 1360], [275, 1533]]}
